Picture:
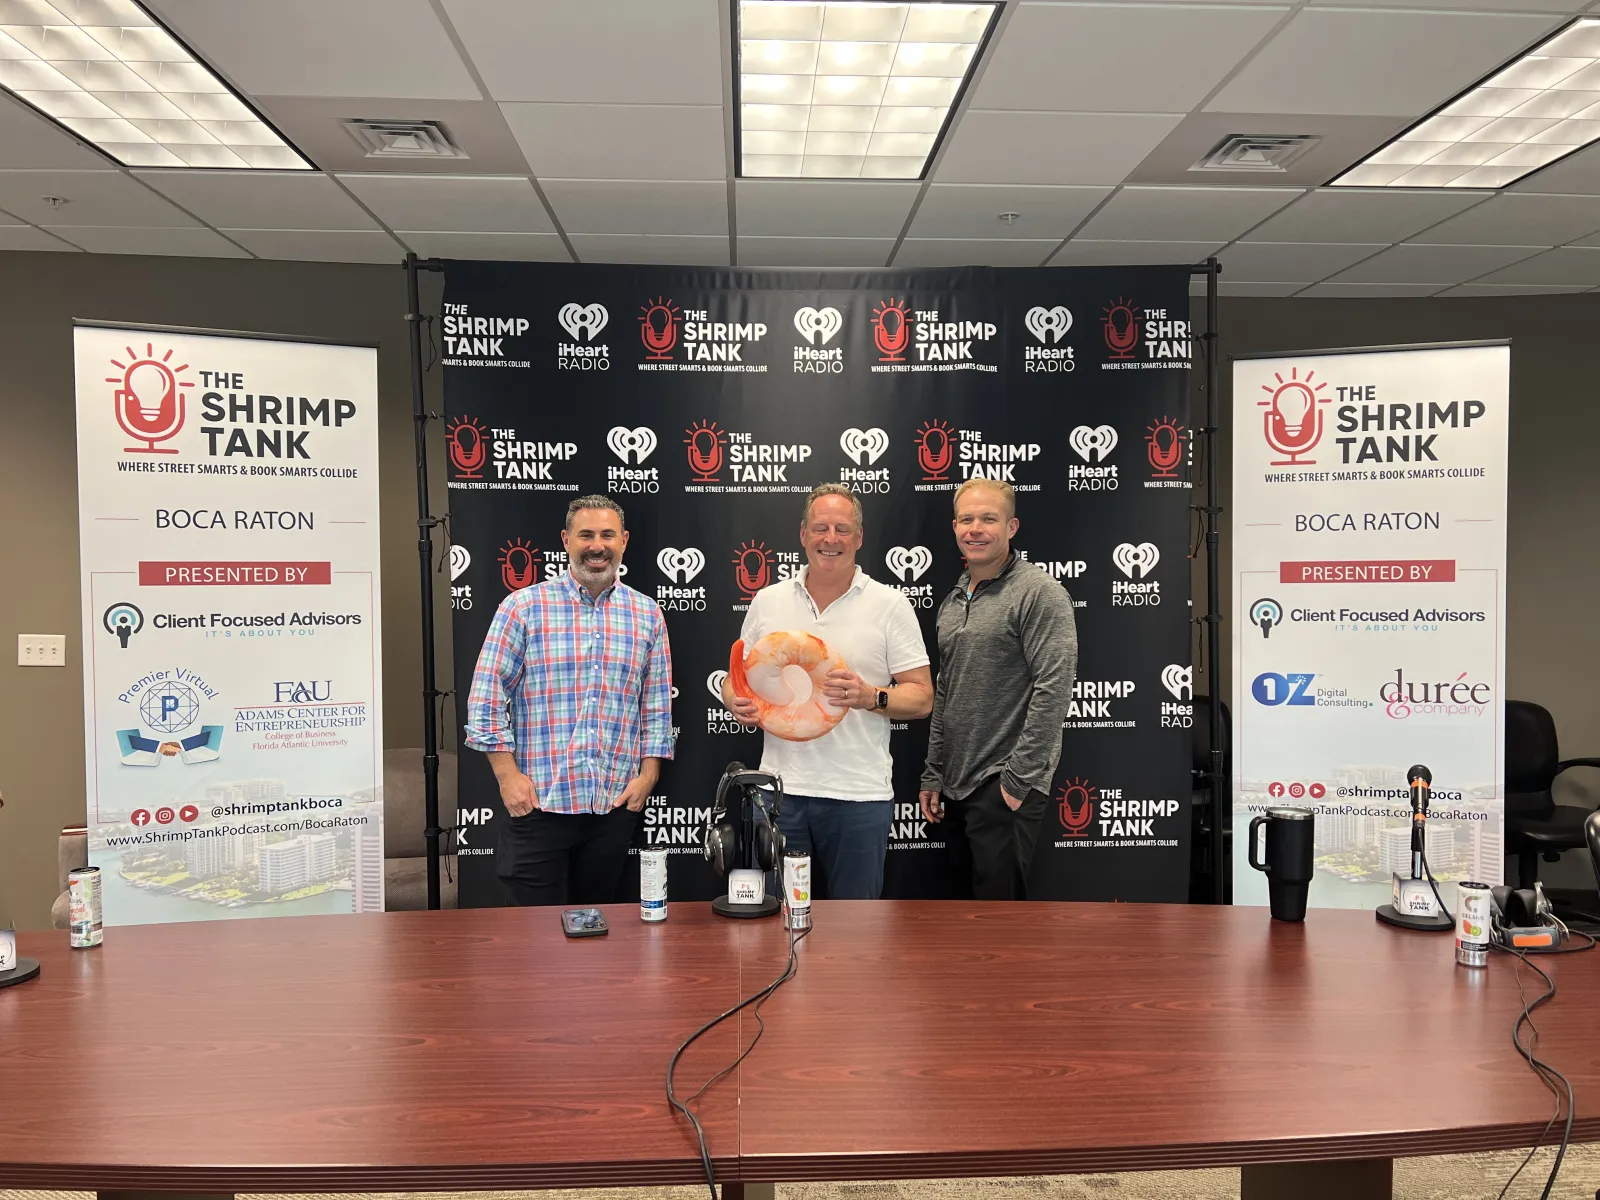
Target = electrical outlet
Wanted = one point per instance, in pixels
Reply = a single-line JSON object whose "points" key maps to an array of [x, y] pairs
{"points": [[41, 649]]}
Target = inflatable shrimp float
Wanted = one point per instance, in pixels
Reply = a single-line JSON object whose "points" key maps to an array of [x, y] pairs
{"points": [[783, 674]]}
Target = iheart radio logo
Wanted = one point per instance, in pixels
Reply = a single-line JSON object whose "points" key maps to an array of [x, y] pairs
{"points": [[714, 684], [908, 563], [149, 402], [640, 442], [812, 323], [680, 566], [864, 446], [460, 560], [1048, 325], [1130, 558], [1093, 442], [1179, 680], [1076, 806], [583, 322]]}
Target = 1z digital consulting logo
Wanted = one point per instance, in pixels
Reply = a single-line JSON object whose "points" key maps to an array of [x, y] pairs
{"points": [[865, 447], [909, 564], [1048, 326], [583, 323], [149, 400], [1093, 444], [681, 567], [1136, 562], [818, 326], [632, 446]]}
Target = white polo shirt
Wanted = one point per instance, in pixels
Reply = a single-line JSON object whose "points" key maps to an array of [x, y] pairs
{"points": [[873, 628]]}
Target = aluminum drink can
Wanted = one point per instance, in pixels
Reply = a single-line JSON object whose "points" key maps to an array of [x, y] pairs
{"points": [[797, 891], [83, 908], [653, 885], [1472, 924]]}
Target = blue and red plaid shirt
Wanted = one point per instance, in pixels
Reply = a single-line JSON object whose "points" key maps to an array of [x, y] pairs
{"points": [[579, 689]]}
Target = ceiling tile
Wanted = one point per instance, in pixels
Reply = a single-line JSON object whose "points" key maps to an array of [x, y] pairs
{"points": [[1341, 141], [325, 47], [1437, 265], [1354, 215], [814, 252], [26, 237], [1577, 173], [1333, 291], [261, 199], [1543, 6], [650, 248], [631, 206], [1365, 62], [1197, 287], [620, 141], [1081, 253], [578, 51], [1516, 289], [194, 242], [973, 252], [316, 245], [317, 125], [1288, 262], [1569, 264], [93, 198], [822, 208], [1118, 57], [1184, 214], [972, 210], [461, 203], [1519, 218], [503, 247], [1028, 147], [33, 143]]}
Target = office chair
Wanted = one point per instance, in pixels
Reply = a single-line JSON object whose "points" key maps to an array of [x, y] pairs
{"points": [[1535, 823], [1591, 831], [1200, 866]]}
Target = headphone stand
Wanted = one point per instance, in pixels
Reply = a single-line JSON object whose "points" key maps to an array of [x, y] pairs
{"points": [[724, 907]]}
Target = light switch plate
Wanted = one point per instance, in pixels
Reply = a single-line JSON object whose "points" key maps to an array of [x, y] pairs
{"points": [[41, 649]]}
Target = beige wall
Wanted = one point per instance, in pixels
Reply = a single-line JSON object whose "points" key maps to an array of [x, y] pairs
{"points": [[1553, 643]]}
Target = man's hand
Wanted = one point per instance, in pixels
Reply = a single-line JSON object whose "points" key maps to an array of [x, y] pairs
{"points": [[637, 793], [516, 790], [1011, 801], [744, 709], [932, 805], [846, 689]]}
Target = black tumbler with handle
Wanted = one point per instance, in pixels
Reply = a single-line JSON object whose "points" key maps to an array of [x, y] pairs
{"points": [[1290, 860]]}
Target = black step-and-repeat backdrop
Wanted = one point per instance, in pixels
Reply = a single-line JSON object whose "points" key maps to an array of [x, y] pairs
{"points": [[709, 402]]}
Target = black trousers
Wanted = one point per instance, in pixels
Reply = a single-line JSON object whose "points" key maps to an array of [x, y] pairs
{"points": [[990, 847], [566, 858]]}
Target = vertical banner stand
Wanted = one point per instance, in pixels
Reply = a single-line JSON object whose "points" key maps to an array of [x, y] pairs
{"points": [[1216, 777]]}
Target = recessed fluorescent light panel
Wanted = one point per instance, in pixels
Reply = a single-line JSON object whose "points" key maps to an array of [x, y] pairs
{"points": [[1537, 109], [851, 90], [108, 71]]}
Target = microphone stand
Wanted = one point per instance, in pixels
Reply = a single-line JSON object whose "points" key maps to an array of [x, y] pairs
{"points": [[1414, 905]]}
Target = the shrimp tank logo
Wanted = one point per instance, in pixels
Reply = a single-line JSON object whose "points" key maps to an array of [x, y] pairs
{"points": [[658, 328], [891, 332], [752, 568], [1120, 321], [1075, 806], [935, 450], [705, 445], [519, 565]]}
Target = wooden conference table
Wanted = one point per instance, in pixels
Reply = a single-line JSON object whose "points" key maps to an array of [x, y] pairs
{"points": [[481, 1049]]}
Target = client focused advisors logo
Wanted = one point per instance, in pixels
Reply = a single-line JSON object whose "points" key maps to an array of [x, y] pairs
{"points": [[1092, 443], [1178, 713], [583, 323], [1264, 614], [891, 330], [1136, 562], [1166, 446], [633, 445], [909, 564], [149, 401], [169, 704], [659, 320], [1075, 807], [1048, 326], [818, 326], [680, 567], [1292, 420], [122, 620], [468, 450]]}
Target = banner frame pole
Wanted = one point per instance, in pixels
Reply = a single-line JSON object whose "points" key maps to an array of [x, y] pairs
{"points": [[425, 523], [1220, 871]]}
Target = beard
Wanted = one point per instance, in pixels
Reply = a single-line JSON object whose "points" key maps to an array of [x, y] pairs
{"points": [[596, 567]]}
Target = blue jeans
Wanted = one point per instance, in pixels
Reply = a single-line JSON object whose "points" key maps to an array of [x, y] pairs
{"points": [[846, 840]]}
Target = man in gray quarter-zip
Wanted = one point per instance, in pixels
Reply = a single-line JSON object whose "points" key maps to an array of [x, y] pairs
{"points": [[1008, 649]]}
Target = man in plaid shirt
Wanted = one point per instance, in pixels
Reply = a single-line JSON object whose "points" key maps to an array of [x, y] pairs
{"points": [[572, 703]]}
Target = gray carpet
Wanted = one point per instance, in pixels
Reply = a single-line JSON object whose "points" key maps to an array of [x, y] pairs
{"points": [[1457, 1177]]}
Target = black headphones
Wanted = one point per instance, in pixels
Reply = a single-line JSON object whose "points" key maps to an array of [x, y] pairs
{"points": [[724, 846], [1521, 919]]}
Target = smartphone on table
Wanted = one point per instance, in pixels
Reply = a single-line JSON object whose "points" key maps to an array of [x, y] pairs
{"points": [[583, 922]]}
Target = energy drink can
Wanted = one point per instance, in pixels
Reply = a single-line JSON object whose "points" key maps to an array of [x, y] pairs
{"points": [[1472, 924], [653, 885], [797, 891], [83, 908]]}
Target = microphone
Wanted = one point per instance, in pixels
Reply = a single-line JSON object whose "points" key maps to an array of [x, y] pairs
{"points": [[1415, 904], [1421, 781]]}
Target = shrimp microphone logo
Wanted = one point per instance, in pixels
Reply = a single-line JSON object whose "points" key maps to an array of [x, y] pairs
{"points": [[639, 442], [1264, 614], [680, 566], [468, 450], [752, 568], [1093, 443], [149, 402], [1164, 443], [1048, 325], [1292, 420], [658, 328], [864, 446], [1076, 806], [583, 322], [1121, 322], [1134, 560], [890, 332], [935, 450], [518, 564], [908, 563], [705, 445], [815, 323], [1178, 680]]}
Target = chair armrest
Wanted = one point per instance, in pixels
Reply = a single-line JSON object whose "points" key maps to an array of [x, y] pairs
{"points": [[1576, 762]]}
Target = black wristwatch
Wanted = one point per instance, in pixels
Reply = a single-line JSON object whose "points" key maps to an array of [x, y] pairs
{"points": [[882, 702]]}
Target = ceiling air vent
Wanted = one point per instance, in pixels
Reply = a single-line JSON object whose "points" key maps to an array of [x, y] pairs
{"points": [[404, 139], [1270, 152]]}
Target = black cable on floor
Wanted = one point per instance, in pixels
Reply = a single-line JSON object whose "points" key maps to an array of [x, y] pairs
{"points": [[757, 999]]}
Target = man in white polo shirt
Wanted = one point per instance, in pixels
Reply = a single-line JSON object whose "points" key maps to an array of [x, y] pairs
{"points": [[838, 800]]}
